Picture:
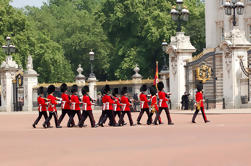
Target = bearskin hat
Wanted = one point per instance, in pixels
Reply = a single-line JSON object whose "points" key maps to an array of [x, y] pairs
{"points": [[51, 89], [74, 88], [199, 86], [160, 86], [40, 90], [143, 88], [85, 89], [115, 91], [124, 90], [153, 90], [63, 87], [107, 89]]}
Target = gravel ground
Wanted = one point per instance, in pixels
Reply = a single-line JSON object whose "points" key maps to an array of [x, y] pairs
{"points": [[225, 141]]}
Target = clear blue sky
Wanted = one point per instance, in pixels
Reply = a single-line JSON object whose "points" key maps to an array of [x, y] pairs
{"points": [[23, 3]]}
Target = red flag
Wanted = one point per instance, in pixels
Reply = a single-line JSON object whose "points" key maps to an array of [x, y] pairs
{"points": [[156, 77]]}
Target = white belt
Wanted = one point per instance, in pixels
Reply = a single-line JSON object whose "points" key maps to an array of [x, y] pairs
{"points": [[142, 104], [84, 106], [106, 106], [73, 106], [63, 104], [115, 107], [123, 107]]}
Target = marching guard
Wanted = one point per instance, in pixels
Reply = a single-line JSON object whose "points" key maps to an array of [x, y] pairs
{"points": [[116, 105], [154, 104], [199, 104], [41, 106], [125, 102], [65, 105], [143, 104], [52, 107], [108, 107], [87, 108], [163, 105], [75, 105]]}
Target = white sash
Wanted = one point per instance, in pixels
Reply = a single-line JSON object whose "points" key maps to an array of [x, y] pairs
{"points": [[84, 106], [106, 106], [123, 107], [160, 102], [142, 104], [40, 107], [115, 107], [63, 104], [73, 106]]}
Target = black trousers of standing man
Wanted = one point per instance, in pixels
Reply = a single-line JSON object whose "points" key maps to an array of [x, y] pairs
{"points": [[109, 114], [121, 119], [47, 121], [42, 113], [141, 114], [64, 112], [203, 114], [71, 119], [86, 114], [167, 115]]}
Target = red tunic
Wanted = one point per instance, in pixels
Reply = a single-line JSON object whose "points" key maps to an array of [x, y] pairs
{"points": [[41, 104], [162, 99], [87, 105], [116, 105], [154, 102], [75, 104], [143, 101], [199, 97], [65, 102], [52, 103], [107, 102], [125, 104]]}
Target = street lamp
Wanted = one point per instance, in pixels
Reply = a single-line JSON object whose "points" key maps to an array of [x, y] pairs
{"points": [[9, 48], [91, 54], [164, 48], [236, 5], [179, 13]]}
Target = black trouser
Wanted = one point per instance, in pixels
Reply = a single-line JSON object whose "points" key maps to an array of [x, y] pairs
{"points": [[121, 119], [41, 113], [167, 115], [109, 114], [86, 114], [142, 112], [71, 119], [102, 118], [64, 112], [54, 114], [150, 117], [202, 112]]}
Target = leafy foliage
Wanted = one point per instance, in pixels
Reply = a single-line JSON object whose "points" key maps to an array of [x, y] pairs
{"points": [[122, 33]]}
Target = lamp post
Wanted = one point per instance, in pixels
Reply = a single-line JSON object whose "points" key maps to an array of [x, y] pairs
{"points": [[9, 48], [179, 14], [235, 6], [91, 53], [164, 47]]}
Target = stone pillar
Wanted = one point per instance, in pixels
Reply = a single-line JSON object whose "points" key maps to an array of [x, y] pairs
{"points": [[137, 81], [80, 78], [92, 87], [234, 47], [180, 50], [164, 76], [30, 80], [7, 71]]}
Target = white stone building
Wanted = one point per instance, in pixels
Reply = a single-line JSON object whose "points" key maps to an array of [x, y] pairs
{"points": [[218, 24]]}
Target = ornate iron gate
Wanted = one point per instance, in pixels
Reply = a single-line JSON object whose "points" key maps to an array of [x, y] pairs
{"points": [[18, 98], [206, 58]]}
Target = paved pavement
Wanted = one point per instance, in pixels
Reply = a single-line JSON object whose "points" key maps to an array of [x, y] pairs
{"points": [[225, 141]]}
